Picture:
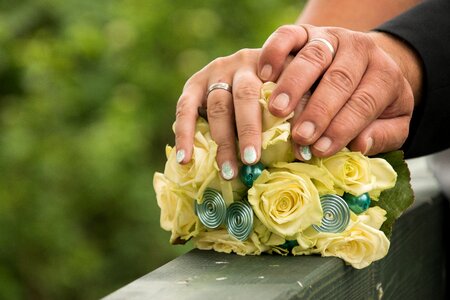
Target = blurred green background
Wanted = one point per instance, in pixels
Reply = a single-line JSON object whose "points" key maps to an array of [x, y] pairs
{"points": [[88, 90]]}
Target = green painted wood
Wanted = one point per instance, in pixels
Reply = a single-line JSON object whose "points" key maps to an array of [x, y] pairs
{"points": [[413, 269]]}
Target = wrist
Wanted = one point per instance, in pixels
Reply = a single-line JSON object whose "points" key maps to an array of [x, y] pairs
{"points": [[406, 58]]}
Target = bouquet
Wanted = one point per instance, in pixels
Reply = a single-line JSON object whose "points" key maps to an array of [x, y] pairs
{"points": [[344, 205]]}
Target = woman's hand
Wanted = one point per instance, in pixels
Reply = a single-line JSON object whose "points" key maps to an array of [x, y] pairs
{"points": [[361, 98], [226, 110]]}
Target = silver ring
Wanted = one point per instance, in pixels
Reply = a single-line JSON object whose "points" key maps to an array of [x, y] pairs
{"points": [[327, 43], [219, 85]]}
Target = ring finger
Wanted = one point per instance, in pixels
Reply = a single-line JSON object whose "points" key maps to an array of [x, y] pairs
{"points": [[220, 112]]}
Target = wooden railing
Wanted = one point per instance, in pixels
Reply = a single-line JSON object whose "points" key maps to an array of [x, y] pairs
{"points": [[413, 269]]}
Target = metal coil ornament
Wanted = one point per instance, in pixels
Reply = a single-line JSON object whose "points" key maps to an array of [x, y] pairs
{"points": [[213, 210], [336, 214], [240, 220]]}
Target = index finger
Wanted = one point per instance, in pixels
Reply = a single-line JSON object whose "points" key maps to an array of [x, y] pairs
{"points": [[186, 117], [285, 40]]}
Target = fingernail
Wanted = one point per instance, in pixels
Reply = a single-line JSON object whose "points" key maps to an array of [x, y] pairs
{"points": [[323, 144], [369, 145], [281, 102], [266, 71], [180, 155], [305, 152], [250, 155], [227, 171], [306, 130]]}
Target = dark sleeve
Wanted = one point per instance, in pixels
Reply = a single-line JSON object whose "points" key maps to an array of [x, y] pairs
{"points": [[426, 28]]}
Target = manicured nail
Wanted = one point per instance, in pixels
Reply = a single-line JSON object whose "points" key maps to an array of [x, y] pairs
{"points": [[180, 155], [227, 171], [323, 144], [281, 102], [306, 130], [266, 72], [250, 155], [305, 152], [369, 145]]}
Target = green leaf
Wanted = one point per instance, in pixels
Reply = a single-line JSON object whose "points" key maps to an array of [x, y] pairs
{"points": [[397, 199]]}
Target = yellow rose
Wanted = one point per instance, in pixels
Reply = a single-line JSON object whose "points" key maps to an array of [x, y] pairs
{"points": [[319, 176], [222, 241], [177, 209], [285, 203], [359, 245], [276, 132], [202, 168], [357, 174]]}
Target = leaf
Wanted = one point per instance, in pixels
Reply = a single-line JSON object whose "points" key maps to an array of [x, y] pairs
{"points": [[397, 199]]}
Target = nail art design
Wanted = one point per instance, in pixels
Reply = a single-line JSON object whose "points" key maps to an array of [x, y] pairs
{"points": [[227, 171], [180, 155], [250, 155], [305, 152]]}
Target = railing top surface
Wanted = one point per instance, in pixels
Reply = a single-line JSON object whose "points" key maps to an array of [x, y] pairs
{"points": [[211, 275]]}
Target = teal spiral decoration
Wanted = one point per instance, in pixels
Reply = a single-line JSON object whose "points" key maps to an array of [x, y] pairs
{"points": [[240, 220], [213, 210], [336, 214]]}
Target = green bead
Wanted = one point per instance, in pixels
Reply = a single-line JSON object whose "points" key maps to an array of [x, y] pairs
{"points": [[248, 174], [358, 204]]}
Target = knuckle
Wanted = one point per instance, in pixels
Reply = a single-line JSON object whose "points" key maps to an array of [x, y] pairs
{"points": [[184, 108], [315, 55], [363, 104], [248, 131], [340, 79], [245, 93], [246, 55], [226, 146], [321, 111], [218, 108], [361, 42], [218, 63], [285, 30]]}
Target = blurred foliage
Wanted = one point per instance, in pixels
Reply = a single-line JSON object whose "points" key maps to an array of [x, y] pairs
{"points": [[87, 98]]}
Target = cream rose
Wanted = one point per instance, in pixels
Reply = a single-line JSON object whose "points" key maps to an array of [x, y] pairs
{"points": [[374, 217], [285, 203], [359, 245], [319, 176], [276, 132], [357, 174], [177, 209], [202, 168], [222, 241]]}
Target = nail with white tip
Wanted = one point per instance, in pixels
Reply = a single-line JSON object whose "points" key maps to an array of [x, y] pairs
{"points": [[250, 155], [227, 171], [305, 152], [180, 155]]}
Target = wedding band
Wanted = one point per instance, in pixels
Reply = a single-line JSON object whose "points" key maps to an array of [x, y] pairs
{"points": [[327, 43], [219, 85]]}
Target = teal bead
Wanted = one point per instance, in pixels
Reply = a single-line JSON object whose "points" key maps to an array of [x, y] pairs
{"points": [[248, 174], [289, 244], [358, 204]]}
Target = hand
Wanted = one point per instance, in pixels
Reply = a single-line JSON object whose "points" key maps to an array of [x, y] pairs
{"points": [[362, 98], [226, 111]]}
